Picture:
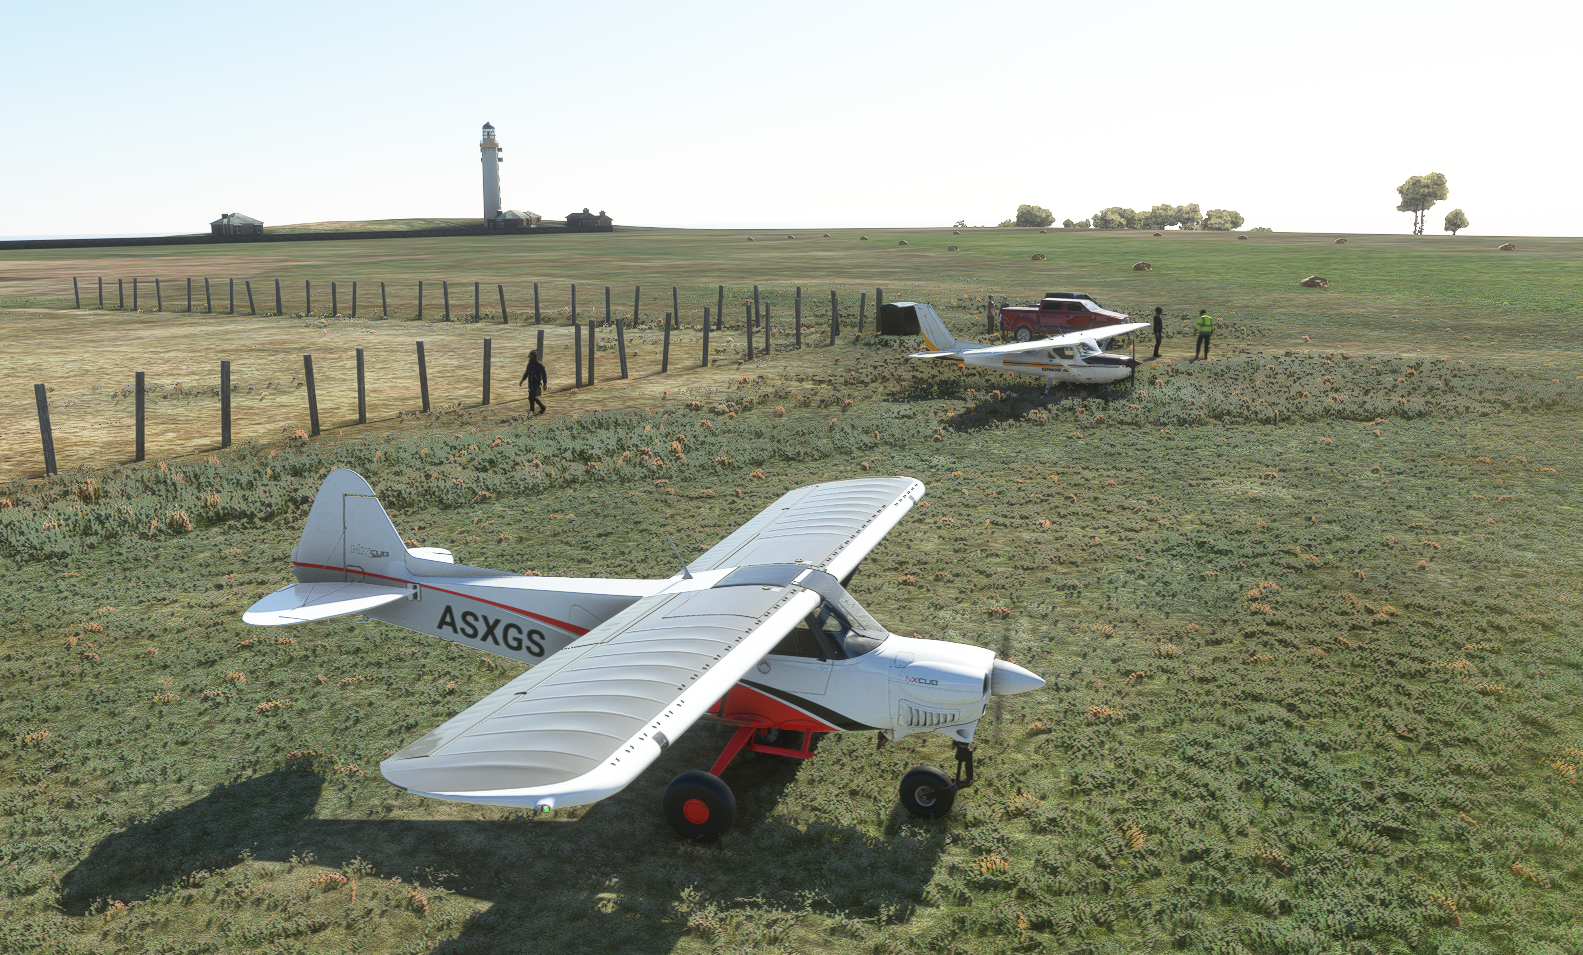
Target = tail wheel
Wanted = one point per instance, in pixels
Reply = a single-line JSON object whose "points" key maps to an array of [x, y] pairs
{"points": [[927, 792], [1024, 333], [699, 806]]}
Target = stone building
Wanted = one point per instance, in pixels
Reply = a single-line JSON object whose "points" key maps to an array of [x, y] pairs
{"points": [[588, 222], [234, 223]]}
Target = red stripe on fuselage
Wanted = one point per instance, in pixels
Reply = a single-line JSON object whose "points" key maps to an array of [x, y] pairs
{"points": [[764, 711], [571, 628]]}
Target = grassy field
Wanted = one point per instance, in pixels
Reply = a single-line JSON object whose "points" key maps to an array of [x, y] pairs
{"points": [[1308, 612]]}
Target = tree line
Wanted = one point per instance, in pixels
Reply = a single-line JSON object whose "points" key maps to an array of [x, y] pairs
{"points": [[1189, 217]]}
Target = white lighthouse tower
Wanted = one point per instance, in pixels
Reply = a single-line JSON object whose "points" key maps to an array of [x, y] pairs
{"points": [[491, 160]]}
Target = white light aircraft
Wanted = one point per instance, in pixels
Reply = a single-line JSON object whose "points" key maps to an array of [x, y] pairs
{"points": [[759, 633], [1075, 357]]}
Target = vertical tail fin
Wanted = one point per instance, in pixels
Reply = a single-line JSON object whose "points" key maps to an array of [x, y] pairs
{"points": [[935, 335], [348, 536]]}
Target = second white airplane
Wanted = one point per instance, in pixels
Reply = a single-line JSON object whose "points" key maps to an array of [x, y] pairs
{"points": [[1074, 357]]}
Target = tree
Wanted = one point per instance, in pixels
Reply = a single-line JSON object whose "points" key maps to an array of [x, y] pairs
{"points": [[1159, 217], [1419, 193], [1116, 217], [1222, 220], [1456, 221], [1189, 216], [960, 224], [1084, 224], [1035, 216], [1068, 224], [1005, 224]]}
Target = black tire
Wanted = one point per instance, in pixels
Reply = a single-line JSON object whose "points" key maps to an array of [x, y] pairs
{"points": [[1023, 334], [699, 806], [927, 792]]}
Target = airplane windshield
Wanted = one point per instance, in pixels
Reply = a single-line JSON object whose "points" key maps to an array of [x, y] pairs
{"points": [[839, 627], [1087, 349], [848, 626]]}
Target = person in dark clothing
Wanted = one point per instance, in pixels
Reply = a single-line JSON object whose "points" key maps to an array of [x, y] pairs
{"points": [[1159, 329], [537, 381]]}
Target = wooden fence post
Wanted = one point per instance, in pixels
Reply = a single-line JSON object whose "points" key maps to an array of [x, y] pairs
{"points": [[577, 354], [797, 316], [445, 293], [537, 318], [384, 303], [637, 294], [621, 348], [280, 309], [307, 296], [862, 309], [423, 378], [720, 309], [590, 352], [706, 338], [139, 404], [766, 329], [676, 307], [120, 295], [747, 322], [487, 343], [879, 300], [354, 299], [607, 306], [313, 396], [251, 310], [540, 348], [159, 297], [335, 301], [225, 404], [134, 293], [362, 390], [835, 318], [101, 291], [78, 295], [665, 352], [420, 300], [189, 295], [505, 316], [478, 314], [208, 299], [41, 398], [754, 324], [574, 305], [230, 299]]}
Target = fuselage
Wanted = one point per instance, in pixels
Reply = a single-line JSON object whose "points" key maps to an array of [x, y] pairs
{"points": [[900, 686]]}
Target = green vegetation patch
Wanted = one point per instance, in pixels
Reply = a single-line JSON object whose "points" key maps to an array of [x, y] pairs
{"points": [[1309, 622]]}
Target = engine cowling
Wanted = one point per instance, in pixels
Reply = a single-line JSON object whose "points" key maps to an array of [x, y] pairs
{"points": [[950, 684]]}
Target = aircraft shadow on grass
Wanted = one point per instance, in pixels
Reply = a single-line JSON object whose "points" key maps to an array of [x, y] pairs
{"points": [[542, 879]]}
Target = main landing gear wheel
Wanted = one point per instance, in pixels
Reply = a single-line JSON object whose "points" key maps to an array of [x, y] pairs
{"points": [[927, 792], [699, 806], [1024, 333]]}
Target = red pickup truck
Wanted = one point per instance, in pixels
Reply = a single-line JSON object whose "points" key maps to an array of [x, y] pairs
{"points": [[1056, 314]]}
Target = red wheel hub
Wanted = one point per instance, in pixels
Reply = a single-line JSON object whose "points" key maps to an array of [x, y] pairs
{"points": [[696, 811]]}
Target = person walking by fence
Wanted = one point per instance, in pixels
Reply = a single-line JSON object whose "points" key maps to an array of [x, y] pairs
{"points": [[1159, 328], [1205, 327], [537, 381]]}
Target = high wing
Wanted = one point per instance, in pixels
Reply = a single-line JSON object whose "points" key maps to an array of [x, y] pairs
{"points": [[580, 726], [830, 527], [1055, 341]]}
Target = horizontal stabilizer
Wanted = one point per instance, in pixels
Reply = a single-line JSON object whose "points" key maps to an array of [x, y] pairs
{"points": [[300, 603]]}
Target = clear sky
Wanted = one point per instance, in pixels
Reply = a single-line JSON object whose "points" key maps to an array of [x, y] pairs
{"points": [[122, 118]]}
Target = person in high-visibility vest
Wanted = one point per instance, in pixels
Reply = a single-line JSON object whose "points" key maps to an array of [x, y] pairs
{"points": [[1206, 328]]}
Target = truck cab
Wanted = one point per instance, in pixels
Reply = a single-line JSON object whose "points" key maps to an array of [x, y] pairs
{"points": [[1056, 314]]}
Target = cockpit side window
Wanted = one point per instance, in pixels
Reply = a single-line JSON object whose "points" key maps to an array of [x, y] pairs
{"points": [[799, 643]]}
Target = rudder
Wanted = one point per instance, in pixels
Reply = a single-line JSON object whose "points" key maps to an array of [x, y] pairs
{"points": [[348, 535], [935, 335]]}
